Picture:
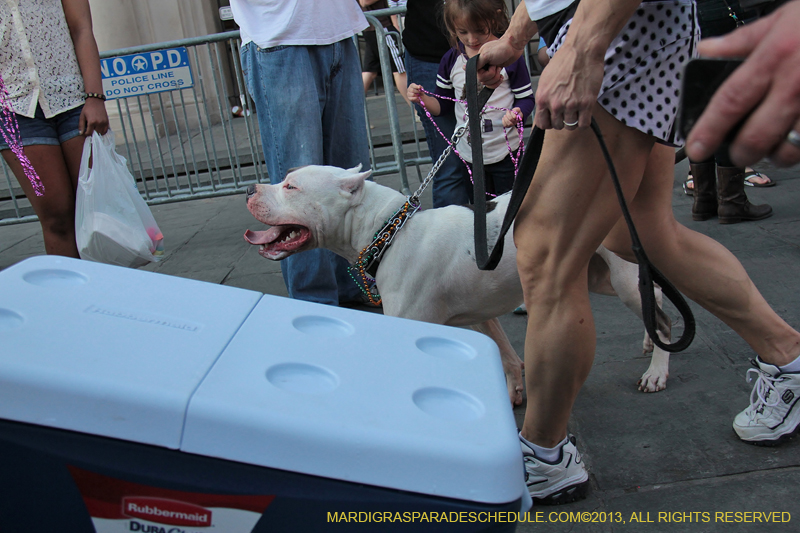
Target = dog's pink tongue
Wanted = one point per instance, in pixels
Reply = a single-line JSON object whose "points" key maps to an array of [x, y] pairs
{"points": [[262, 237]]}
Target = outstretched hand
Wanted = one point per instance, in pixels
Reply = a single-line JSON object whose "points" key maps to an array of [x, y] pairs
{"points": [[766, 86], [414, 93]]}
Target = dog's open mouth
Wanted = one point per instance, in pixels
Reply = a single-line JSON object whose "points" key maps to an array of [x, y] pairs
{"points": [[279, 241]]}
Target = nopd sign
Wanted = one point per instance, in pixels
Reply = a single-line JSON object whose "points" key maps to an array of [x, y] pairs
{"points": [[145, 73]]}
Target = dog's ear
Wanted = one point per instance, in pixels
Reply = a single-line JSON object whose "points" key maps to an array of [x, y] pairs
{"points": [[355, 170], [354, 184]]}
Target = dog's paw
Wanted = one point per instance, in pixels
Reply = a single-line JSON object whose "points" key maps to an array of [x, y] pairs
{"points": [[652, 382], [515, 387], [514, 381], [515, 396]]}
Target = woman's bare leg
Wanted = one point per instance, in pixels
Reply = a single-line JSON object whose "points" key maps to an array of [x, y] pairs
{"points": [[700, 267], [56, 208], [567, 212]]}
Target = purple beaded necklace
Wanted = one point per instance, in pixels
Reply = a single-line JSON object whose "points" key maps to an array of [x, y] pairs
{"points": [[516, 155], [10, 132]]}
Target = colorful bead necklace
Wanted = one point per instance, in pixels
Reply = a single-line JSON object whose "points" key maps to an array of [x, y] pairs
{"points": [[365, 268]]}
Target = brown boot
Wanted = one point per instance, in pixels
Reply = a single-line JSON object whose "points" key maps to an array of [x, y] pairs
{"points": [[733, 204], [705, 190]]}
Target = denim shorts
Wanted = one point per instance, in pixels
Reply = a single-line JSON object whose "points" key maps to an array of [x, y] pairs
{"points": [[39, 130]]}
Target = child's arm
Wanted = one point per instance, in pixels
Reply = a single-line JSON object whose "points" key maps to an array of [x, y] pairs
{"points": [[520, 82], [415, 95], [444, 83]]}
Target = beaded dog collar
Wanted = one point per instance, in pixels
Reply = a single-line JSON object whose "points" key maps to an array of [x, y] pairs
{"points": [[365, 268]]}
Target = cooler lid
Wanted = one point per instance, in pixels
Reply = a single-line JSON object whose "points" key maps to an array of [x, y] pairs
{"points": [[107, 350], [361, 397]]}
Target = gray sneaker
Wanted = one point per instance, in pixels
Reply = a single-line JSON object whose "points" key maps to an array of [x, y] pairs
{"points": [[564, 481], [774, 412]]}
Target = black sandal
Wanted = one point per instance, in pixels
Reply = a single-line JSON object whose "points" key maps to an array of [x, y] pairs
{"points": [[752, 173], [688, 185]]}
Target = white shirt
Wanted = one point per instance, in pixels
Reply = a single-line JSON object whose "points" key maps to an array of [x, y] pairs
{"points": [[539, 9], [270, 23], [494, 140], [37, 58]]}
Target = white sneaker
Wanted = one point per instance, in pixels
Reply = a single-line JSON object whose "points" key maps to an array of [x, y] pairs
{"points": [[521, 310], [774, 412], [555, 483]]}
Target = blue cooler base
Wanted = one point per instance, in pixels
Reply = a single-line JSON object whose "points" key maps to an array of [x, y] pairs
{"points": [[58, 480]]}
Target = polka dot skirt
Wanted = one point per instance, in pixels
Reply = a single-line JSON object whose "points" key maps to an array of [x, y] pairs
{"points": [[643, 66]]}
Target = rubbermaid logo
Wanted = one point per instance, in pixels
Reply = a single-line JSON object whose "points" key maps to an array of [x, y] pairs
{"points": [[147, 319], [163, 511]]}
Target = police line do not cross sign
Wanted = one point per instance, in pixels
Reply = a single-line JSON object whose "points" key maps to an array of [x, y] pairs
{"points": [[145, 73]]}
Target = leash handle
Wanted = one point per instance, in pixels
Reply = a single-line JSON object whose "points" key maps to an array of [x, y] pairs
{"points": [[649, 275]]}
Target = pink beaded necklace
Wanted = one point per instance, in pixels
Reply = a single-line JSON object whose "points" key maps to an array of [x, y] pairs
{"points": [[516, 155], [10, 131]]}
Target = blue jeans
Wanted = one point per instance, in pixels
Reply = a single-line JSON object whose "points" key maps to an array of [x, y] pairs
{"points": [[449, 187], [499, 178], [310, 106]]}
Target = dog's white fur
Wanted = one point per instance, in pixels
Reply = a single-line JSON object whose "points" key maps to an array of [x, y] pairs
{"points": [[429, 272]]}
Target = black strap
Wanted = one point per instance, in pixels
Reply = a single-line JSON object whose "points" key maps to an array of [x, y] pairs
{"points": [[648, 274], [475, 103]]}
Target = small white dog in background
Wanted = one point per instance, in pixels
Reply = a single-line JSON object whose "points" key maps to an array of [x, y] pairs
{"points": [[429, 272]]}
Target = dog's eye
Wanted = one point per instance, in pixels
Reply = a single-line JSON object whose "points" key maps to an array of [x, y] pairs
{"points": [[289, 186]]}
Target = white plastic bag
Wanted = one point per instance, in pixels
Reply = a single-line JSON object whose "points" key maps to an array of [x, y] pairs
{"points": [[113, 224]]}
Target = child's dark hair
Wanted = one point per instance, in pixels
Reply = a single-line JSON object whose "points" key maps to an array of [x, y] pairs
{"points": [[480, 15]]}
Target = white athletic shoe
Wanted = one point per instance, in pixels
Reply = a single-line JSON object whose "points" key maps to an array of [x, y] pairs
{"points": [[774, 412], [555, 483]]}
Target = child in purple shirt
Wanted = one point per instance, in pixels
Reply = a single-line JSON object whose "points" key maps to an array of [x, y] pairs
{"points": [[471, 23]]}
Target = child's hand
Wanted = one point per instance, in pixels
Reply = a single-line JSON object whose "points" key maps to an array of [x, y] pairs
{"points": [[414, 93], [512, 117]]}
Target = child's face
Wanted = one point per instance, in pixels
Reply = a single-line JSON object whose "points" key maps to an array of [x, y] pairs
{"points": [[472, 38]]}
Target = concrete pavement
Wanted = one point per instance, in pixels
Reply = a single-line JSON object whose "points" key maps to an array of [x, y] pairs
{"points": [[663, 462]]}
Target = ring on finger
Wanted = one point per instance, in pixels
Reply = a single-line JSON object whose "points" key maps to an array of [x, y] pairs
{"points": [[573, 124], [793, 138]]}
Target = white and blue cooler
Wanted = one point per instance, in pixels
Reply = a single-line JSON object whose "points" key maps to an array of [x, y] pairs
{"points": [[134, 401]]}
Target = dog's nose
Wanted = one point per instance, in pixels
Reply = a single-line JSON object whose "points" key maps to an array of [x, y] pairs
{"points": [[251, 190]]}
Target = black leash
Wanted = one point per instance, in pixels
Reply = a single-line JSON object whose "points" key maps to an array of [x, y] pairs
{"points": [[648, 274]]}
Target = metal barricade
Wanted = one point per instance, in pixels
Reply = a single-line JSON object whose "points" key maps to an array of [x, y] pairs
{"points": [[186, 143]]}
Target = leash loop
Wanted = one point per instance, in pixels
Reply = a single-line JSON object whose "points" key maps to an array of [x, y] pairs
{"points": [[649, 275]]}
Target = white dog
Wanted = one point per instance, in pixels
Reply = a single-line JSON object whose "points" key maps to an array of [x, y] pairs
{"points": [[429, 272]]}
